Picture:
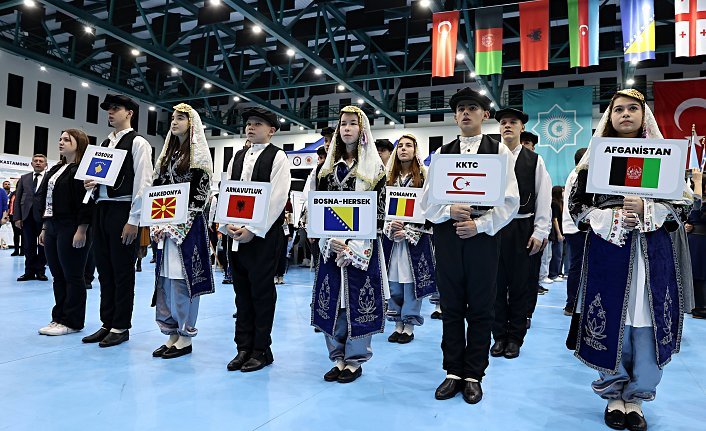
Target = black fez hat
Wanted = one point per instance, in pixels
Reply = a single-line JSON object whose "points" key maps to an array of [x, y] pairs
{"points": [[471, 95], [513, 113], [384, 144], [262, 113], [120, 100], [328, 131], [529, 136]]}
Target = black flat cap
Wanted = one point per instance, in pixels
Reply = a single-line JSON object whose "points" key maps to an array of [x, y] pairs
{"points": [[529, 136], [469, 95], [328, 131], [120, 100], [262, 113], [513, 113], [384, 144]]}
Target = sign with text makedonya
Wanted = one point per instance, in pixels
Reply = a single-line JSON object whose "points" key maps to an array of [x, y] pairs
{"points": [[650, 168], [243, 203], [402, 204], [101, 164], [165, 205], [342, 215], [472, 179]]}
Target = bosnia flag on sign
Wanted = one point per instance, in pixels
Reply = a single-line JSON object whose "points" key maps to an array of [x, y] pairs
{"points": [[341, 219]]}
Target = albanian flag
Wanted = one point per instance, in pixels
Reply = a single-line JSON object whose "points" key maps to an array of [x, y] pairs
{"points": [[534, 36]]}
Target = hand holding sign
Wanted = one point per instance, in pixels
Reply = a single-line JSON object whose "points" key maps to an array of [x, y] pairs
{"points": [[470, 179], [162, 205], [99, 165], [402, 203]]}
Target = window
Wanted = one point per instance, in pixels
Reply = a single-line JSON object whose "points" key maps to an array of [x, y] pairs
{"points": [[437, 102], [41, 140], [152, 123], [322, 112], [43, 97], [411, 103], [92, 140], [576, 83], [543, 85], [69, 103], [674, 75], [227, 155], [213, 157], [435, 142], [92, 109], [12, 137], [14, 90], [288, 147]]}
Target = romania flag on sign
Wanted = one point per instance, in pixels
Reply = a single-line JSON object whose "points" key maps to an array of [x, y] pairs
{"points": [[341, 219], [401, 207], [634, 172], [163, 208]]}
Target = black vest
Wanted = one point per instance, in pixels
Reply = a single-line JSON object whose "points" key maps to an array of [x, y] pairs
{"points": [[525, 168], [261, 171], [126, 176], [488, 145]]}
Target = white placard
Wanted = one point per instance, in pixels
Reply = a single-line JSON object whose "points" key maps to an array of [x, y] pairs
{"points": [[650, 168], [342, 215], [473, 179], [101, 164], [165, 205], [402, 204], [243, 203]]}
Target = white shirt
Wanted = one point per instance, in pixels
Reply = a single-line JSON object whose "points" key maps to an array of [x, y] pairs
{"points": [[543, 202], [142, 165], [171, 262], [400, 264], [567, 223], [40, 177], [212, 209], [280, 178], [498, 217]]}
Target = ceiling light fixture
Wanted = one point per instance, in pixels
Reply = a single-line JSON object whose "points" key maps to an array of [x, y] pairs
{"points": [[318, 71], [152, 108], [282, 120], [630, 81], [207, 85], [483, 92], [361, 101], [30, 3], [424, 3], [256, 29], [84, 84], [472, 74], [175, 70], [88, 29], [341, 88], [290, 52], [236, 99], [135, 52], [460, 56]]}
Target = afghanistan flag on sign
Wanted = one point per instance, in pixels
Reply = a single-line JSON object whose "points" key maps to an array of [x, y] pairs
{"points": [[163, 208], [341, 219], [534, 36], [583, 32], [401, 207], [634, 172], [241, 206], [489, 41]]}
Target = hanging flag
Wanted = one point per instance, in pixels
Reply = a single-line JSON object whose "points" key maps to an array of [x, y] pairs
{"points": [[638, 19], [534, 36], [635, 172], [690, 27], [489, 41], [443, 48], [678, 105], [692, 159], [583, 32]]}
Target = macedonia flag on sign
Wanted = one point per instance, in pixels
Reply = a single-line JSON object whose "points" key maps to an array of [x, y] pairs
{"points": [[163, 208]]}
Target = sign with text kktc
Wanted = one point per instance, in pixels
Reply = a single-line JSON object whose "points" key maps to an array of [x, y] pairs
{"points": [[650, 168], [101, 164], [165, 205], [472, 179], [243, 203], [402, 204], [342, 215]]}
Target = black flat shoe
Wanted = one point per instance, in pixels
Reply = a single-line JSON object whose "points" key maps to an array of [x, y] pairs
{"points": [[96, 337], [405, 338], [472, 392], [448, 389], [512, 350], [26, 277], [498, 349], [237, 363], [173, 352], [332, 374], [436, 315], [160, 351], [614, 419], [348, 376], [113, 339], [257, 361], [394, 337], [635, 422]]}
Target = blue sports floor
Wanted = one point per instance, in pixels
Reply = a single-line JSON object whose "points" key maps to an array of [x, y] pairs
{"points": [[58, 383]]}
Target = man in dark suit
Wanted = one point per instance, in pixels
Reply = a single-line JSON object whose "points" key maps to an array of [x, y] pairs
{"points": [[28, 217]]}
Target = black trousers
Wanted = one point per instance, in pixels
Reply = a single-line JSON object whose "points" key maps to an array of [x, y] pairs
{"points": [[466, 271], [575, 242], [90, 269], [66, 264], [35, 261], [115, 263], [16, 237], [533, 282], [253, 268], [700, 294], [513, 291]]}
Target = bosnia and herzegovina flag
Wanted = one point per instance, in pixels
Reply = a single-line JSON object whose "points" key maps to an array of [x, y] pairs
{"points": [[341, 219], [638, 20], [489, 40], [635, 172], [401, 207], [583, 32]]}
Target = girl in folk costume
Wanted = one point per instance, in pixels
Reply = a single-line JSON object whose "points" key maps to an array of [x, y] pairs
{"points": [[183, 270], [351, 287], [408, 248], [631, 295]]}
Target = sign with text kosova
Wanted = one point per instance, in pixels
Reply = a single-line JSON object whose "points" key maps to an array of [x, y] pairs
{"points": [[342, 215], [243, 203], [101, 164], [651, 168], [402, 204], [165, 205], [472, 179]]}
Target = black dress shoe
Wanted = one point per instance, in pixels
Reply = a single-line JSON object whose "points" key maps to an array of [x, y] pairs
{"points": [[42, 277], [15, 253], [237, 363], [348, 376], [614, 419], [698, 313], [512, 350], [26, 277], [529, 323], [436, 315], [394, 337], [405, 338], [635, 422], [498, 348], [472, 392], [257, 361], [96, 337], [160, 351], [448, 389], [174, 352], [332, 374], [114, 338]]}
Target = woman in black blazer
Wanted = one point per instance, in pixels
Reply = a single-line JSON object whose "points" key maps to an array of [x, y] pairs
{"points": [[65, 235]]}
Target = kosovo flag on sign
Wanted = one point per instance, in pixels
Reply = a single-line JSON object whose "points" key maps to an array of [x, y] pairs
{"points": [[99, 167], [341, 219]]}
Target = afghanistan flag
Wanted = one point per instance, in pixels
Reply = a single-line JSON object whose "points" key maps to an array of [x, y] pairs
{"points": [[341, 219], [583, 32], [638, 21], [401, 207], [443, 45], [489, 41], [534, 36], [241, 206], [163, 208], [634, 172]]}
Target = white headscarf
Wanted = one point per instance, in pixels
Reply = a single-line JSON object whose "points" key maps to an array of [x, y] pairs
{"points": [[369, 169], [393, 157], [200, 154]]}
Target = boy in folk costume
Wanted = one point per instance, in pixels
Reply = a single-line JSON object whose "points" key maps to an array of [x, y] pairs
{"points": [[630, 298], [183, 267], [351, 286], [408, 248], [467, 250], [254, 263]]}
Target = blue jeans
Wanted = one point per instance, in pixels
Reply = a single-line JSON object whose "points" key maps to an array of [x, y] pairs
{"points": [[555, 262], [403, 306], [176, 310], [638, 374], [341, 347]]}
